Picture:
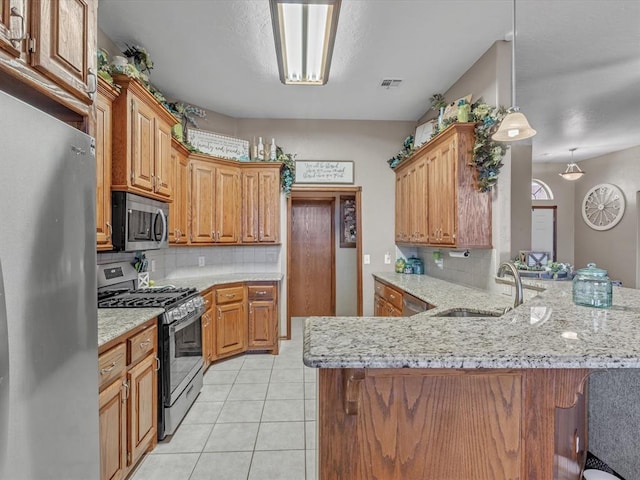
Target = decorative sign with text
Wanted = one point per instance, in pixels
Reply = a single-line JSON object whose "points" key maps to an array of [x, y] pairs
{"points": [[219, 145], [323, 171]]}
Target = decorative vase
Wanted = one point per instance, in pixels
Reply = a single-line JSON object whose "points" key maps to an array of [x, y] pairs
{"points": [[464, 109]]}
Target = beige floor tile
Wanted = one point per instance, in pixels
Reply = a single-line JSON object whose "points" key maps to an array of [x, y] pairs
{"points": [[222, 466], [283, 465], [281, 436], [283, 411], [232, 437]]}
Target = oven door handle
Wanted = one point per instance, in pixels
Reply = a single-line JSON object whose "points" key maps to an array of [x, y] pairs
{"points": [[182, 324]]}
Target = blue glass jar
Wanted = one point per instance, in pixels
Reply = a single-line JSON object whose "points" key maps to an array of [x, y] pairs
{"points": [[592, 287]]}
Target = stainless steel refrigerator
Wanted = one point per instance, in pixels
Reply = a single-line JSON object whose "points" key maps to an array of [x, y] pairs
{"points": [[48, 314]]}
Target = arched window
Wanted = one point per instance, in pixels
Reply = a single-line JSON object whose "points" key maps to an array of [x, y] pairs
{"points": [[540, 190]]}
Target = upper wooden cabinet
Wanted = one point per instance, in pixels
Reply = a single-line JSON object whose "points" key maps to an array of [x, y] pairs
{"points": [[215, 200], [141, 142], [179, 208], [103, 136], [261, 203], [50, 45], [437, 201]]}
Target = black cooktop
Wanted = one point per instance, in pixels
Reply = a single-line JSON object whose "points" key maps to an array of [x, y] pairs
{"points": [[163, 297]]}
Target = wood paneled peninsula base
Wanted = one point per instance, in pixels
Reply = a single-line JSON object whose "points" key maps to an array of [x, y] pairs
{"points": [[451, 424]]}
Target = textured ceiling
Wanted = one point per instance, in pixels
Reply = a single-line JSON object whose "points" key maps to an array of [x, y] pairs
{"points": [[578, 62]]}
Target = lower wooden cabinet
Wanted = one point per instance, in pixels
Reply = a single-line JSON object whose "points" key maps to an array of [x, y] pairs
{"points": [[230, 321], [208, 337], [263, 314], [128, 400], [387, 301]]}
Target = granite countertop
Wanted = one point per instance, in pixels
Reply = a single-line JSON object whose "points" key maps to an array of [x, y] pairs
{"points": [[547, 331], [113, 322]]}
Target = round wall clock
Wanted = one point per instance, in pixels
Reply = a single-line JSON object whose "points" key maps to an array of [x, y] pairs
{"points": [[603, 206]]}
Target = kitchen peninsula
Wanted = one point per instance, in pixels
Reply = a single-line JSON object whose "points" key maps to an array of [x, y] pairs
{"points": [[435, 397]]}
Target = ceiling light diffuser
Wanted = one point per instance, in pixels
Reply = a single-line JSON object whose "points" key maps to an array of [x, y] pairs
{"points": [[573, 171], [304, 32]]}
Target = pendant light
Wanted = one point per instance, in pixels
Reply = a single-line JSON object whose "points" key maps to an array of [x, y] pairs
{"points": [[573, 171], [515, 125]]}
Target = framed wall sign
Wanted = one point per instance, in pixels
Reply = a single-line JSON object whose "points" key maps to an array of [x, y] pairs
{"points": [[219, 145], [324, 171]]}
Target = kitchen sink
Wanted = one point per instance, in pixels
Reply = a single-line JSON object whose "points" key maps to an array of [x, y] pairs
{"points": [[462, 312]]}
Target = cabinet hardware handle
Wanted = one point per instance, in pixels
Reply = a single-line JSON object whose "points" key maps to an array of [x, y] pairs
{"points": [[213, 235], [229, 295], [158, 182], [206, 302], [219, 314], [94, 89], [110, 227], [145, 344], [157, 364], [108, 369], [125, 384], [23, 33]]}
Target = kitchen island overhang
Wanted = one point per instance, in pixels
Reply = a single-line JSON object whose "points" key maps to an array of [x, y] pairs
{"points": [[437, 398]]}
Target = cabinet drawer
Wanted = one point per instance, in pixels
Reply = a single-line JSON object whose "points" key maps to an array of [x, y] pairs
{"points": [[111, 364], [261, 292], [143, 343], [230, 294], [208, 300], [379, 289], [394, 297]]}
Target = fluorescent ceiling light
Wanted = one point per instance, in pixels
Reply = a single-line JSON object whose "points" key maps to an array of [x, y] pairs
{"points": [[304, 32]]}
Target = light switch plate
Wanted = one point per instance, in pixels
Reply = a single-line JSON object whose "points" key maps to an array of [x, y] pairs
{"points": [[367, 259], [201, 261], [387, 258]]}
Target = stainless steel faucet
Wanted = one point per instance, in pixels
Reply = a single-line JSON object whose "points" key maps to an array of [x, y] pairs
{"points": [[508, 266]]}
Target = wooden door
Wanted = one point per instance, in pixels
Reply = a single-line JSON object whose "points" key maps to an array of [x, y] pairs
{"points": [[163, 167], [11, 26], [203, 178], [442, 201], [312, 265], [65, 35], [231, 329], [269, 206], [103, 173], [143, 137], [250, 195], [227, 205], [262, 330], [143, 407], [113, 431]]}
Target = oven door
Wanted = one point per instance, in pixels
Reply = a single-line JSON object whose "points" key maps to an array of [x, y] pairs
{"points": [[184, 356]]}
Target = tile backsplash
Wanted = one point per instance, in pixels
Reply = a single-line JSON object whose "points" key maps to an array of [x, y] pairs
{"points": [[180, 262]]}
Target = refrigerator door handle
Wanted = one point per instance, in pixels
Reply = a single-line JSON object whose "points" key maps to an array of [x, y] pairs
{"points": [[4, 373]]}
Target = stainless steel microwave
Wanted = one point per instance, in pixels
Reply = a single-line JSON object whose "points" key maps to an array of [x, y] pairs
{"points": [[139, 223]]}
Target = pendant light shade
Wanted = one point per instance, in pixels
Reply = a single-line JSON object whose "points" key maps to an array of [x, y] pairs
{"points": [[304, 32], [573, 171], [514, 125]]}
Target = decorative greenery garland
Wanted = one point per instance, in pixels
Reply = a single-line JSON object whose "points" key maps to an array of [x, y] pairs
{"points": [[288, 170], [487, 154]]}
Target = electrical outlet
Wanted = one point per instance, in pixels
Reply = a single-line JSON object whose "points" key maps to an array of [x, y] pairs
{"points": [[201, 261], [367, 259], [387, 258], [153, 265]]}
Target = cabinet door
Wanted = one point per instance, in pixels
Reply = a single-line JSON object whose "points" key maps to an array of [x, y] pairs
{"points": [[379, 306], [442, 196], [202, 200], [269, 206], [227, 205], [113, 431], [231, 329], [65, 41], [143, 125], [163, 168], [262, 324], [404, 210], [178, 218], [143, 407], [103, 173], [420, 205], [250, 205], [11, 26], [206, 336]]}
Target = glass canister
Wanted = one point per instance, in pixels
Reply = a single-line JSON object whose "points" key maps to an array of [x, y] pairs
{"points": [[592, 287]]}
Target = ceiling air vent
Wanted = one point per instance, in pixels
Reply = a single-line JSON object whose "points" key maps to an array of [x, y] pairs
{"points": [[391, 83]]}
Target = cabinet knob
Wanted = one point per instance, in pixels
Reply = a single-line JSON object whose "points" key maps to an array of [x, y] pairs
{"points": [[110, 231]]}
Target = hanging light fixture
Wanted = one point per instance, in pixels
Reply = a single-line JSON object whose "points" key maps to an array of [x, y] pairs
{"points": [[573, 171], [514, 125], [304, 31]]}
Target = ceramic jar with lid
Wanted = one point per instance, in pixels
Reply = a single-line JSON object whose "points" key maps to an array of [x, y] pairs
{"points": [[592, 287]]}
